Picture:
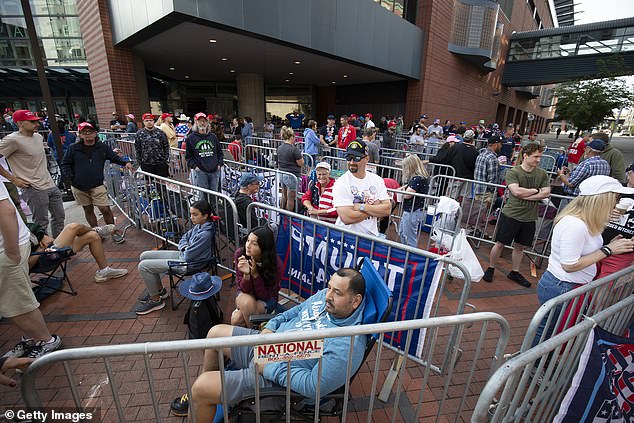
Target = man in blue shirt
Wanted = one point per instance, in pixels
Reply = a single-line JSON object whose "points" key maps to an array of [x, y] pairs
{"points": [[67, 138], [295, 119], [339, 305]]}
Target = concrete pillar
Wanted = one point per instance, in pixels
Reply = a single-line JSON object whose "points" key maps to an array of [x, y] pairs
{"points": [[141, 85], [251, 101]]}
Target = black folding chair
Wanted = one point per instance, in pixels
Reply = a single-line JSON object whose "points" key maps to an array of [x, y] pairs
{"points": [[378, 306], [49, 264]]}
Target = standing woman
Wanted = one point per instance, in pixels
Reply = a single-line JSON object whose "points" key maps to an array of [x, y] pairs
{"points": [[577, 244], [416, 179], [311, 141], [289, 159], [258, 276]]}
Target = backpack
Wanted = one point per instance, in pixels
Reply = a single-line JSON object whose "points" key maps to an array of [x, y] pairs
{"points": [[201, 316]]}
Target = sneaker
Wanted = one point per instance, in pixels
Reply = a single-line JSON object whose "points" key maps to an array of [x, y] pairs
{"points": [[488, 274], [117, 238], [517, 277], [145, 295], [42, 347], [180, 406], [148, 307], [104, 230], [109, 273], [21, 349]]}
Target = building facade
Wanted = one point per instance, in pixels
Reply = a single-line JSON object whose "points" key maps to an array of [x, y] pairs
{"points": [[442, 58]]}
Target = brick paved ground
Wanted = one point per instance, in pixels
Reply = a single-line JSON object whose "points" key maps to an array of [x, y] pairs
{"points": [[101, 314]]}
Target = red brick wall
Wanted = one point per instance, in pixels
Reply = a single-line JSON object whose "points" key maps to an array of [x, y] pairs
{"points": [[450, 87], [111, 68]]}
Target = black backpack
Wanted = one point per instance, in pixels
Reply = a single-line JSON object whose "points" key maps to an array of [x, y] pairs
{"points": [[201, 316]]}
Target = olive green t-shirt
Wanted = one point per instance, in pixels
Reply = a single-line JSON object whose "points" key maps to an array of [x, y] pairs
{"points": [[516, 208]]}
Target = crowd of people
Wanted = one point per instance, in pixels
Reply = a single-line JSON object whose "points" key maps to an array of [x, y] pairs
{"points": [[592, 236]]}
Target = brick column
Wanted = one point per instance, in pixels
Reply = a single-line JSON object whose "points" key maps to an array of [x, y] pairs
{"points": [[112, 69]]}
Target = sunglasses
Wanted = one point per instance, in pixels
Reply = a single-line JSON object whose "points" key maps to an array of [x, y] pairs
{"points": [[354, 158]]}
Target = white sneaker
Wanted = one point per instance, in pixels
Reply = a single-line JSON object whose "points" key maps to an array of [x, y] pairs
{"points": [[104, 230], [109, 273]]}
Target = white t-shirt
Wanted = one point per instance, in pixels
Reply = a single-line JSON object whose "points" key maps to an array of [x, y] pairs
{"points": [[571, 240], [5, 165], [350, 190], [24, 235]]}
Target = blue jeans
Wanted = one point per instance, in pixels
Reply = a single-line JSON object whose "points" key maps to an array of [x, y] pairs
{"points": [[548, 288], [208, 180], [408, 229]]}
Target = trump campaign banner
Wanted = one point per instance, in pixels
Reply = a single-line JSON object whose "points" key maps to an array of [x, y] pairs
{"points": [[602, 389], [311, 254]]}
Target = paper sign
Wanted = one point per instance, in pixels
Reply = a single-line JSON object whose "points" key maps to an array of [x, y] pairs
{"points": [[288, 351]]}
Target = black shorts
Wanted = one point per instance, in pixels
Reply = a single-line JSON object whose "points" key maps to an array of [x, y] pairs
{"points": [[510, 230], [157, 169]]}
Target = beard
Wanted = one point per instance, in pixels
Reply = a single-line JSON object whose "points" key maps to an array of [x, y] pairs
{"points": [[353, 168]]}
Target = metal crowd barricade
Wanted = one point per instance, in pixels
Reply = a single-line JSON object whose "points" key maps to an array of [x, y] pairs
{"points": [[587, 300], [178, 167], [160, 206], [444, 397], [127, 148], [480, 214], [401, 297], [532, 385]]}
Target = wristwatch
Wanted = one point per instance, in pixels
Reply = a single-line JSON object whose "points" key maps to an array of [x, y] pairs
{"points": [[362, 208]]}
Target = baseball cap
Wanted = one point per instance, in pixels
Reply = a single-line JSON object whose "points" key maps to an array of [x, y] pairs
{"points": [[496, 126], [494, 139], [463, 123], [211, 116], [147, 116], [357, 149], [323, 165], [77, 115], [469, 134], [114, 113], [453, 138], [166, 115], [250, 178], [422, 117], [436, 120], [598, 145], [368, 115], [600, 184], [353, 116], [510, 125], [84, 125], [533, 133], [130, 115], [21, 115], [331, 116], [391, 124], [200, 115]]}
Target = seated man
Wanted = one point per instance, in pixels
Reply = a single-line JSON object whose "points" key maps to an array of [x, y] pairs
{"points": [[76, 236], [339, 305]]}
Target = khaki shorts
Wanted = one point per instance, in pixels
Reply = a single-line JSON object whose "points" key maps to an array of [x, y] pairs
{"points": [[487, 197], [97, 196], [15, 285]]}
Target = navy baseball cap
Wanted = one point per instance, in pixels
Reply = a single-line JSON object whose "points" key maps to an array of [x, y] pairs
{"points": [[331, 116], [597, 144], [250, 178]]}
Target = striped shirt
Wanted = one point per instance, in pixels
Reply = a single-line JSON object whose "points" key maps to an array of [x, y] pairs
{"points": [[589, 167], [322, 201]]}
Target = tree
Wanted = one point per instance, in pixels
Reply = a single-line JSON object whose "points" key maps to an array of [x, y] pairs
{"points": [[588, 103]]}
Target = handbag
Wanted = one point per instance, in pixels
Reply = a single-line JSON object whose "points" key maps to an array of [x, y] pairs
{"points": [[462, 253]]}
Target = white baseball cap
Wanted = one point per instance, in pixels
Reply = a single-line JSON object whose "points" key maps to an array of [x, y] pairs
{"points": [[600, 184], [323, 165]]}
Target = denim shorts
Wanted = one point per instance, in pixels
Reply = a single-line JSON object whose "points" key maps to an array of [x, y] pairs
{"points": [[289, 182]]}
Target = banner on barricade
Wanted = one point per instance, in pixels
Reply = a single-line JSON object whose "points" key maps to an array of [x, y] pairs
{"points": [[414, 283], [268, 193], [602, 389]]}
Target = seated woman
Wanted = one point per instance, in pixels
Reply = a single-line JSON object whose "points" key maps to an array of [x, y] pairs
{"points": [[76, 236], [258, 275], [194, 246], [318, 196]]}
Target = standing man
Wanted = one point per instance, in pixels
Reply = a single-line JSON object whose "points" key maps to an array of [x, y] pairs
{"points": [[368, 121], [295, 120], [369, 137], [528, 184], [24, 150], [152, 148], [463, 158], [360, 197], [249, 186], [389, 136], [613, 156], [83, 164], [116, 124], [204, 154], [417, 141], [508, 144], [182, 129], [593, 165], [434, 133], [347, 133], [487, 169], [328, 136], [17, 301], [167, 126], [576, 150]]}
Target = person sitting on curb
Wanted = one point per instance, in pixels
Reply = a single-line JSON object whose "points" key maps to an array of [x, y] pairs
{"points": [[339, 305], [194, 246], [76, 236]]}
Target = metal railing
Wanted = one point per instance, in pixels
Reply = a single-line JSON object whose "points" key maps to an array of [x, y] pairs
{"points": [[450, 390], [532, 385]]}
